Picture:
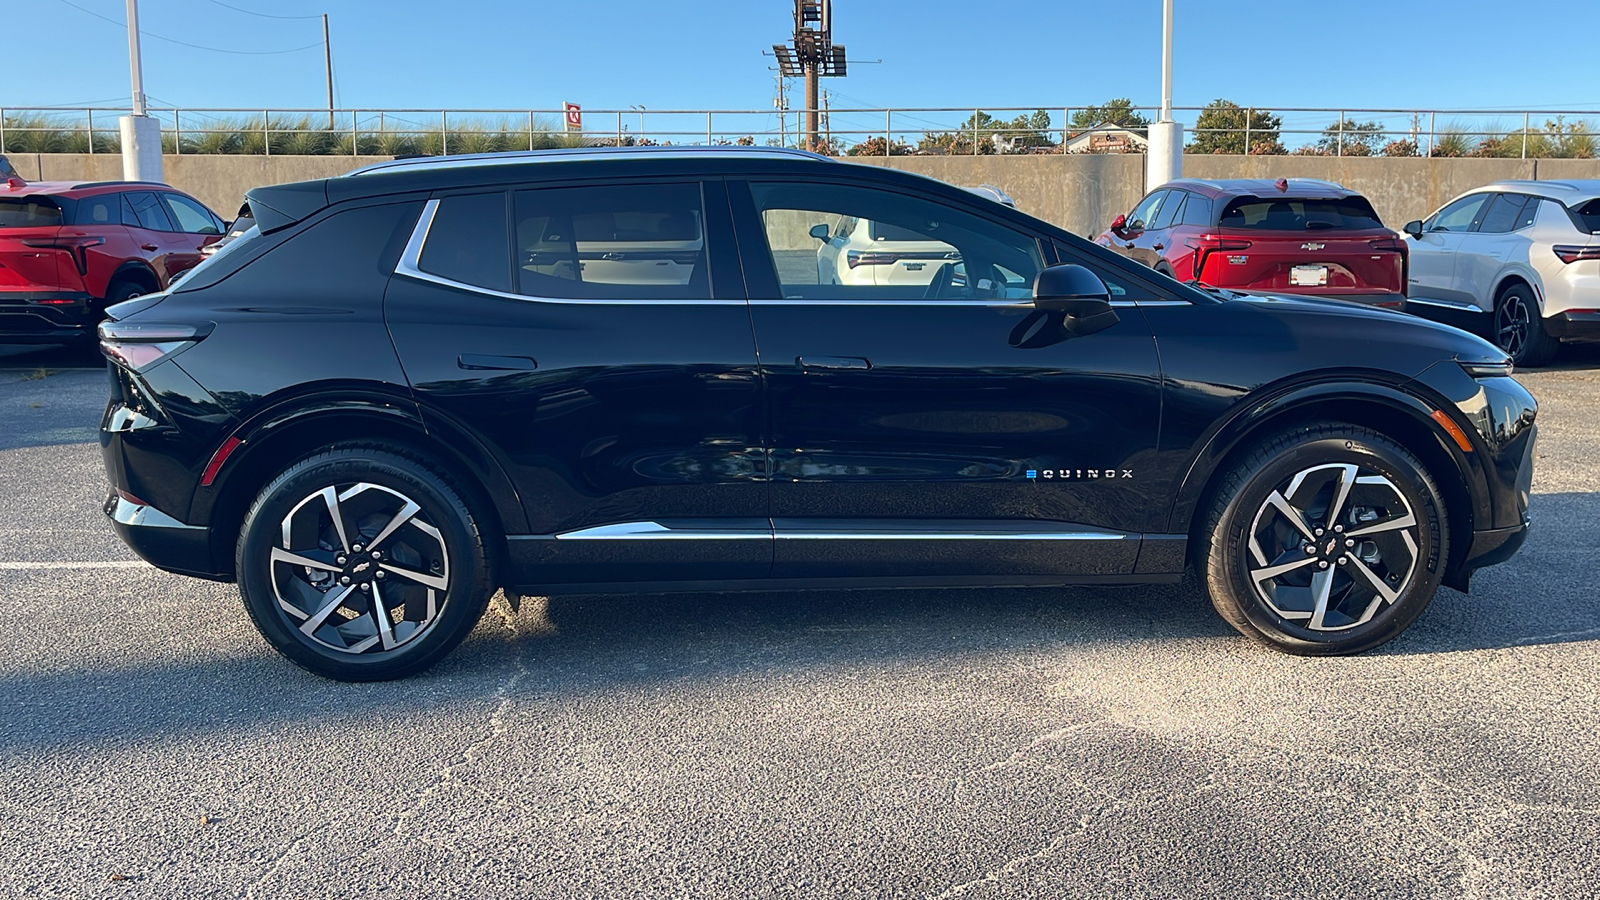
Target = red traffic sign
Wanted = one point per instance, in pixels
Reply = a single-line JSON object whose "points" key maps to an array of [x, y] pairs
{"points": [[574, 116]]}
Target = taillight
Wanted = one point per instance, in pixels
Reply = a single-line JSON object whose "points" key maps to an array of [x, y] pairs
{"points": [[139, 346], [1569, 253], [1393, 244], [1206, 244], [77, 246]]}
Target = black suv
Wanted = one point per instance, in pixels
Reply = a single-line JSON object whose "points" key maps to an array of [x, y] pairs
{"points": [[632, 370]]}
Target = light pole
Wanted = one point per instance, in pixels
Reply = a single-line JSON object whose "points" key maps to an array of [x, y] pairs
{"points": [[327, 67], [1164, 160], [141, 135], [640, 108]]}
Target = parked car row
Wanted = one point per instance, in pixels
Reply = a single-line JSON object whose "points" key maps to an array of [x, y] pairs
{"points": [[631, 371], [1517, 261], [69, 249]]}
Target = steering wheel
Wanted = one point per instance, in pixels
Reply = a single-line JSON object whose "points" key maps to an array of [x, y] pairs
{"points": [[940, 282]]}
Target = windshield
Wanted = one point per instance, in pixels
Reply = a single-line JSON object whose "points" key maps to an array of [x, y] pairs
{"points": [[1293, 214]]}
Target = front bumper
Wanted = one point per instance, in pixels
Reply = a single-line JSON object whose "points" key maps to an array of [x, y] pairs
{"points": [[161, 540], [1574, 325]]}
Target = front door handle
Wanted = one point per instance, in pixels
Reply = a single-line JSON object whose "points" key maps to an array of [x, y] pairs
{"points": [[1159, 247], [832, 362], [150, 247]]}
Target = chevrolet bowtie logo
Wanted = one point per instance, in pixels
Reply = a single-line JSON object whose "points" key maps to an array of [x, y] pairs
{"points": [[1312, 246]]}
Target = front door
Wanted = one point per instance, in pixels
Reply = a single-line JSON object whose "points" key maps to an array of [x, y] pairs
{"points": [[940, 428], [1433, 255], [513, 312]]}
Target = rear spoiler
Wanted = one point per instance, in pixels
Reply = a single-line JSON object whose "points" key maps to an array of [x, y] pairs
{"points": [[281, 205]]}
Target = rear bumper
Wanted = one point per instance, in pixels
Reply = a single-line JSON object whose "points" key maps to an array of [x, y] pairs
{"points": [[1577, 325], [161, 540], [45, 317]]}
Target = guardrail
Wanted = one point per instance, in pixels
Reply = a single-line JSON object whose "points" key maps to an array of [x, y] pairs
{"points": [[856, 131]]}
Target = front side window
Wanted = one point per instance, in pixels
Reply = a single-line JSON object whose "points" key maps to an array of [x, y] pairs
{"points": [[612, 242], [1145, 212], [832, 241], [467, 242], [1171, 209], [190, 216], [1458, 216]]}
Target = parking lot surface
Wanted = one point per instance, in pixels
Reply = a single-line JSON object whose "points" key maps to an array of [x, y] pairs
{"points": [[995, 743]]}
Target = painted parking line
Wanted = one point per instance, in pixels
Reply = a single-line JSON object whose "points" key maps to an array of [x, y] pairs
{"points": [[56, 564]]}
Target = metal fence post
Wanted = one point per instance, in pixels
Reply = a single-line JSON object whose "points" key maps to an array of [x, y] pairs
{"points": [[530, 130], [1431, 116], [888, 132], [1248, 115], [90, 115], [975, 132], [444, 133], [1525, 135], [2, 130], [177, 134], [355, 134], [619, 128], [266, 132], [1341, 133], [708, 128]]}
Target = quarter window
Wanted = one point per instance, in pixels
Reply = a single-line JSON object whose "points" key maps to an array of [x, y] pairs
{"points": [[612, 242], [467, 242], [833, 241]]}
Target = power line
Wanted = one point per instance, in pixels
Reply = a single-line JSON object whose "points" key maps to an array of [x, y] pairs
{"points": [[251, 12], [159, 37]]}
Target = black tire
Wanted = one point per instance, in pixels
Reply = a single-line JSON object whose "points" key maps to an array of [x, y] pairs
{"points": [[1281, 611], [431, 571], [1519, 329], [118, 292]]}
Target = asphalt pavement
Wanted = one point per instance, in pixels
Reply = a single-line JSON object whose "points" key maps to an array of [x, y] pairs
{"points": [[996, 743]]}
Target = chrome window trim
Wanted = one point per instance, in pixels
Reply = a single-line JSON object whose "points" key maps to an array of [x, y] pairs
{"points": [[632, 531], [799, 301], [411, 256]]}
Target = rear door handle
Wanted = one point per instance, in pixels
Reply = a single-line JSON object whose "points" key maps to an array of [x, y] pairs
{"points": [[832, 362], [150, 247], [483, 361]]}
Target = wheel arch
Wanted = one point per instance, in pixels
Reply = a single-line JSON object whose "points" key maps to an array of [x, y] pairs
{"points": [[271, 442], [136, 271], [1513, 274], [1386, 409]]}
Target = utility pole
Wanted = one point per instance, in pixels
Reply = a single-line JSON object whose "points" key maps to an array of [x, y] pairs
{"points": [[141, 135], [811, 55], [327, 63], [1164, 161]]}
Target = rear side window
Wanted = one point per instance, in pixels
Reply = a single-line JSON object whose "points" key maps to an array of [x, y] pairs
{"points": [[612, 242], [105, 209], [467, 242], [1197, 211], [141, 209], [1503, 215], [29, 212], [1587, 217], [1295, 214], [346, 257], [1169, 210]]}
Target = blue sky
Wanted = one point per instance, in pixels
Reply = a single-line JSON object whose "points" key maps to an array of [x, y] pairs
{"points": [[471, 54]]}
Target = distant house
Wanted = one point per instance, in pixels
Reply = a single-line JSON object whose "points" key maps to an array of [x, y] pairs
{"points": [[1106, 137]]}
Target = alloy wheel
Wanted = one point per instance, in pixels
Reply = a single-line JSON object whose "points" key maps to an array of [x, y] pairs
{"points": [[360, 569], [1333, 546], [1512, 322]]}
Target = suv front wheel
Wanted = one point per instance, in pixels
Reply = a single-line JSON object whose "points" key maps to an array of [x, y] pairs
{"points": [[1326, 540], [362, 565]]}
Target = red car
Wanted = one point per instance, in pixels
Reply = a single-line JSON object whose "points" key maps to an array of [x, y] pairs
{"points": [[1290, 236], [69, 250]]}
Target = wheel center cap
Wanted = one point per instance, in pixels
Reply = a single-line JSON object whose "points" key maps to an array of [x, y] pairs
{"points": [[360, 567]]}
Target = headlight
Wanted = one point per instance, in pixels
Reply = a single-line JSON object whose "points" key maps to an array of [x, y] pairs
{"points": [[1500, 369]]}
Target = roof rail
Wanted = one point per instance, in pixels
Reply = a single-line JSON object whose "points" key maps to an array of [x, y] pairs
{"points": [[579, 153]]}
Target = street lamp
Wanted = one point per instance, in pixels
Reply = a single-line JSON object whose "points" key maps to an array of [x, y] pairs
{"points": [[640, 108], [141, 135], [1164, 159]]}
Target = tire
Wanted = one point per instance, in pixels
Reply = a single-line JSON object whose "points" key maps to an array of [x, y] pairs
{"points": [[408, 542], [1519, 329], [1310, 603]]}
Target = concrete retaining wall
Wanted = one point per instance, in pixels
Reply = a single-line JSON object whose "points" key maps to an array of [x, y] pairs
{"points": [[1081, 193]]}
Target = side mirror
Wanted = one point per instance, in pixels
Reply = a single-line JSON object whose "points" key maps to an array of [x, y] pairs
{"points": [[819, 231], [1119, 223], [1414, 228], [1077, 295]]}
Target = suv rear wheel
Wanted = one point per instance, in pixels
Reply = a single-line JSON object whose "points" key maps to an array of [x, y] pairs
{"points": [[1326, 540], [1519, 329], [362, 565]]}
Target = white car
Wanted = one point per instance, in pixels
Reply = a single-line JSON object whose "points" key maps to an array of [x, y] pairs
{"points": [[1518, 261], [860, 252]]}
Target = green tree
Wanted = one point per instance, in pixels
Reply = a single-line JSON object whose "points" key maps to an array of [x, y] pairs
{"points": [[1023, 131], [1357, 138], [1221, 128], [1117, 111]]}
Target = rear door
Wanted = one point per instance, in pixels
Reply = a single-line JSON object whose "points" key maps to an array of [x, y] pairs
{"points": [[1501, 236], [167, 250], [596, 338], [27, 225]]}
